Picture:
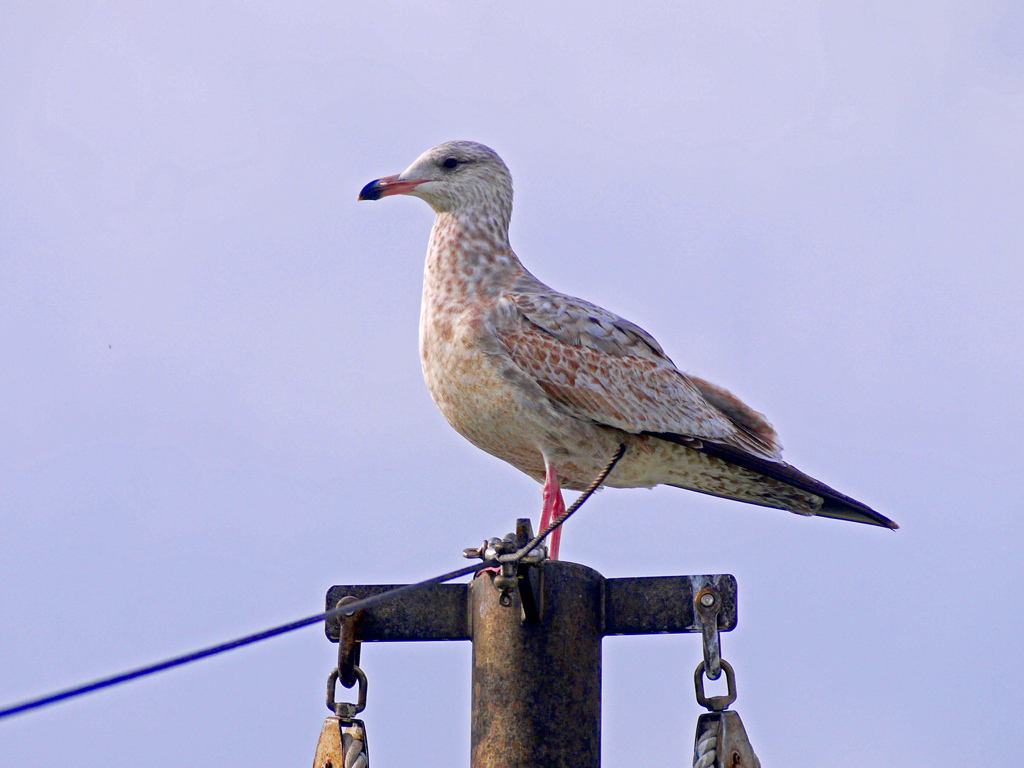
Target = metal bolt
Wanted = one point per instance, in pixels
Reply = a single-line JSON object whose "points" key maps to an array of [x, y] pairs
{"points": [[707, 600]]}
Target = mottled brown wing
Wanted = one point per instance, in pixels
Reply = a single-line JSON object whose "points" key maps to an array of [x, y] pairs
{"points": [[603, 369], [579, 323]]}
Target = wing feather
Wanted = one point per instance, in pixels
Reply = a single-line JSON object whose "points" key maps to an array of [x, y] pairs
{"points": [[606, 370]]}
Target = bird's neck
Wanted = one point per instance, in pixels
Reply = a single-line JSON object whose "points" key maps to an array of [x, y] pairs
{"points": [[469, 256]]}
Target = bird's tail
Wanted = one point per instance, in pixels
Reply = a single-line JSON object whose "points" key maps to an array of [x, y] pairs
{"points": [[779, 485]]}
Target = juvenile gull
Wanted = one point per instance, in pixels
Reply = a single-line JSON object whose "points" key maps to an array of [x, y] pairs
{"points": [[553, 384]]}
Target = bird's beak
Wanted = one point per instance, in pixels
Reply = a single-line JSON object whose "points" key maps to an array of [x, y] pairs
{"points": [[389, 185]]}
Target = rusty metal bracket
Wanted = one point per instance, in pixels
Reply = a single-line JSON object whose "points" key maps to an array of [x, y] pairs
{"points": [[646, 605], [708, 603], [348, 643], [529, 574], [531, 593]]}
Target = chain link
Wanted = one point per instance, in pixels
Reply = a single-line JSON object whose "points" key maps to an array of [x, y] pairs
{"points": [[343, 709], [715, 703]]}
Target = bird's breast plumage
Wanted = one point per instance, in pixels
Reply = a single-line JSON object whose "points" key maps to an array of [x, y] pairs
{"points": [[469, 372]]}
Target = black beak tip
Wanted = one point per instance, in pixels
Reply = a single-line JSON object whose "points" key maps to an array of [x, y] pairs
{"points": [[371, 191]]}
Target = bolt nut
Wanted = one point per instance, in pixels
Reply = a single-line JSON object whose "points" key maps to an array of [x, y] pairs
{"points": [[707, 599]]}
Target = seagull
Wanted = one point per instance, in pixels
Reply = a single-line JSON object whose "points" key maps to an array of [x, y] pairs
{"points": [[554, 385]]}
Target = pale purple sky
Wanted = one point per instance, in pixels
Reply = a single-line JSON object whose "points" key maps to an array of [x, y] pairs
{"points": [[212, 409]]}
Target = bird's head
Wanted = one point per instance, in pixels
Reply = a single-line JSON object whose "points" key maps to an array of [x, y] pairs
{"points": [[454, 176]]}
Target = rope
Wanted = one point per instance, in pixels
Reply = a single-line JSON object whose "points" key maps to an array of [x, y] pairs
{"points": [[353, 746], [214, 650], [704, 751]]}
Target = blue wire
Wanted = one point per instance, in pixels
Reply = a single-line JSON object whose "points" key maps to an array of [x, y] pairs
{"points": [[177, 661]]}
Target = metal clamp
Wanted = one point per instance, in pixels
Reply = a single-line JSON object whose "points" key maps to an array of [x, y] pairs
{"points": [[715, 703], [708, 603], [343, 709], [505, 581], [514, 571]]}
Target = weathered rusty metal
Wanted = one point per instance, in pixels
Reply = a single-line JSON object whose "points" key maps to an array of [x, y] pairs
{"points": [[537, 686], [715, 703], [436, 612], [342, 744], [664, 604], [348, 645], [530, 589], [707, 602], [537, 647], [721, 742], [631, 606], [343, 709]]}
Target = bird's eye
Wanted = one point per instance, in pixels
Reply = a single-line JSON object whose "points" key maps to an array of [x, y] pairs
{"points": [[450, 163]]}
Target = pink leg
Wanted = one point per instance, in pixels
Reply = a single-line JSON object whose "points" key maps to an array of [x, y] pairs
{"points": [[553, 507]]}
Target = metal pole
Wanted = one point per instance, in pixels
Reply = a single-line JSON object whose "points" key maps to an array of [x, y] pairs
{"points": [[537, 684]]}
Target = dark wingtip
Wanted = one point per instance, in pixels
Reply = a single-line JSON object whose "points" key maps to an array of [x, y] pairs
{"points": [[371, 191], [867, 515], [836, 505]]}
